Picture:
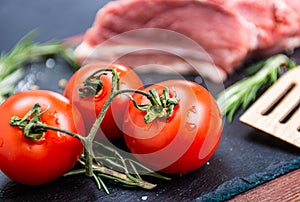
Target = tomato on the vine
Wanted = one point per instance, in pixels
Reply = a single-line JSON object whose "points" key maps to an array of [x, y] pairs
{"points": [[182, 142], [96, 92], [50, 155]]}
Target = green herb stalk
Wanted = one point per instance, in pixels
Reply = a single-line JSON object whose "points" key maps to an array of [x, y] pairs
{"points": [[26, 51], [243, 92]]}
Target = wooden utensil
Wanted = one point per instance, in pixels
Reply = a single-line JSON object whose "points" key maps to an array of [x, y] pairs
{"points": [[276, 111]]}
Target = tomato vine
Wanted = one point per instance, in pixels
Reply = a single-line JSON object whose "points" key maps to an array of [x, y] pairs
{"points": [[159, 107]]}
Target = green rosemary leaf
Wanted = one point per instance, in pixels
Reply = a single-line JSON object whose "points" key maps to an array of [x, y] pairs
{"points": [[147, 171], [243, 92], [6, 84], [251, 97], [26, 51], [232, 110], [103, 185], [255, 68]]}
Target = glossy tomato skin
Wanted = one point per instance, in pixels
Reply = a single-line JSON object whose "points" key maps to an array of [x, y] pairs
{"points": [[38, 162], [90, 107], [181, 143]]}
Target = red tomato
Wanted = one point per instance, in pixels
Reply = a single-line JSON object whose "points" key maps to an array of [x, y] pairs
{"points": [[182, 142], [91, 106], [37, 162]]}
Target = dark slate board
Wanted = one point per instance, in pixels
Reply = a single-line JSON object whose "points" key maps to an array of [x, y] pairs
{"points": [[245, 158]]}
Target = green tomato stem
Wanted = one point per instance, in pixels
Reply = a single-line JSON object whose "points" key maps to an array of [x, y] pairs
{"points": [[160, 107], [34, 129], [37, 128]]}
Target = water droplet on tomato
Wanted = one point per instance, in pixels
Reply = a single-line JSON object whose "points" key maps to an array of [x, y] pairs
{"points": [[55, 116], [57, 121], [191, 111], [190, 126], [58, 134]]}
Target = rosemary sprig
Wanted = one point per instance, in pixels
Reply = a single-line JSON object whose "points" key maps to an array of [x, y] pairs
{"points": [[114, 160], [26, 51], [111, 165], [243, 92]]}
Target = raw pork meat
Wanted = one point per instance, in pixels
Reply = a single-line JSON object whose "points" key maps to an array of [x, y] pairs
{"points": [[276, 22], [211, 37]]}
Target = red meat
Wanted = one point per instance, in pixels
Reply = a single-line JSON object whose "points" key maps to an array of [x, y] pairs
{"points": [[212, 37], [276, 22]]}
